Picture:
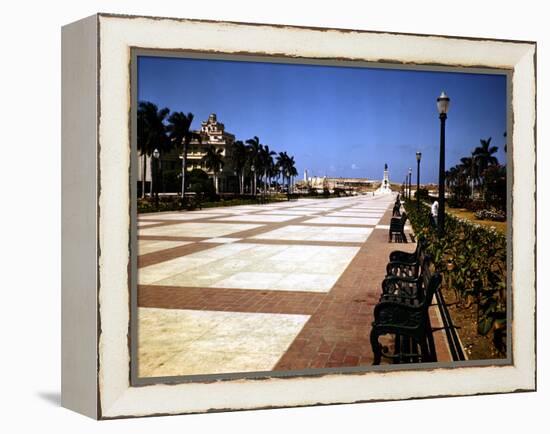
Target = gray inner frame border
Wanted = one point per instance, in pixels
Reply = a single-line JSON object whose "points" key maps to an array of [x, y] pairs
{"points": [[136, 52]]}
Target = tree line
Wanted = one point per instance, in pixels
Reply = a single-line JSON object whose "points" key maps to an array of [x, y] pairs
{"points": [[478, 176], [251, 160]]}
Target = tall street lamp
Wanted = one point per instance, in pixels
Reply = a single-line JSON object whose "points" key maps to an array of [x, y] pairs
{"points": [[253, 186], [472, 171], [443, 102], [418, 158], [410, 176], [155, 178]]}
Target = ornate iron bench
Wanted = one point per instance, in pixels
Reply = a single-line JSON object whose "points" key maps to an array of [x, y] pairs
{"points": [[397, 229], [404, 288], [407, 264], [403, 312], [396, 212]]}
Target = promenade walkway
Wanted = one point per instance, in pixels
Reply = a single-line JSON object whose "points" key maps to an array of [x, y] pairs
{"points": [[283, 286]]}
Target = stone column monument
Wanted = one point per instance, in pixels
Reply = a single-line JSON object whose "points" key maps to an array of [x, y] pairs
{"points": [[385, 187]]}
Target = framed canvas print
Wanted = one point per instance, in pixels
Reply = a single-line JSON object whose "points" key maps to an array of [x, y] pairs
{"points": [[261, 216]]}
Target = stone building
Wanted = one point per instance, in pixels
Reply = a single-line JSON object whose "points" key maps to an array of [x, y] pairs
{"points": [[212, 133], [322, 183]]}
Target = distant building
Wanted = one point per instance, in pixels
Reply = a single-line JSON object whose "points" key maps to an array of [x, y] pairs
{"points": [[322, 183], [212, 133]]}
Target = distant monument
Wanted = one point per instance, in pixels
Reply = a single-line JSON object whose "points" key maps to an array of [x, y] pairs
{"points": [[385, 187]]}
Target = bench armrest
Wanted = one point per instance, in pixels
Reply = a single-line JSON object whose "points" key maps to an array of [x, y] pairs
{"points": [[399, 255]]}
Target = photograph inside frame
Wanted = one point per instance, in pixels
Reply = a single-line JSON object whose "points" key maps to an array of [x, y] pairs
{"points": [[300, 217]]}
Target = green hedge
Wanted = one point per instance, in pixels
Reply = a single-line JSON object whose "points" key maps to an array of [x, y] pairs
{"points": [[174, 203], [472, 259]]}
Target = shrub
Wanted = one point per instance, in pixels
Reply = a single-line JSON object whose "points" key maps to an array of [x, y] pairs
{"points": [[201, 184], [490, 214], [473, 260], [476, 205], [423, 193], [172, 203], [494, 186]]}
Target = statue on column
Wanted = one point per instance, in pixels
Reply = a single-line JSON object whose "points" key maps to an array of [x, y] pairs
{"points": [[385, 186]]}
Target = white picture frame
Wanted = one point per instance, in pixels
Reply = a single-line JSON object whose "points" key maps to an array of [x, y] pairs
{"points": [[96, 214]]}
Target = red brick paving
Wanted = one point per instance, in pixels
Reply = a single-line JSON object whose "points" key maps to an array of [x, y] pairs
{"points": [[338, 333], [172, 253], [226, 299]]}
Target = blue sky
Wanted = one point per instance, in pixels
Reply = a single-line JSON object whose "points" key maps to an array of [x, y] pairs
{"points": [[336, 121]]}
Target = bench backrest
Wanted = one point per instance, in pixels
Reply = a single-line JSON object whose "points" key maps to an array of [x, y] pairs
{"points": [[433, 283], [424, 275], [420, 251]]}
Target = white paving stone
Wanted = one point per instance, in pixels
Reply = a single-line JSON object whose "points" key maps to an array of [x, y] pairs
{"points": [[176, 342], [186, 215], [150, 246], [365, 221], [196, 229], [259, 218], [318, 233], [254, 266], [221, 240]]}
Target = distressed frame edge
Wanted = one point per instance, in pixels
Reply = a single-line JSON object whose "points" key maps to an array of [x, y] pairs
{"points": [[79, 218], [136, 381]]}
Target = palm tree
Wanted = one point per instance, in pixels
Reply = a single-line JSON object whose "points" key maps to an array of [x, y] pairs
{"points": [[282, 164], [456, 179], [179, 131], [470, 170], [213, 160], [151, 134], [240, 152], [254, 151], [287, 163], [267, 164], [272, 172], [484, 155], [292, 172]]}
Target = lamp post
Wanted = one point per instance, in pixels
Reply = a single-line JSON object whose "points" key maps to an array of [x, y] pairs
{"points": [[410, 177], [472, 171], [418, 157], [253, 186], [154, 178], [443, 102]]}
